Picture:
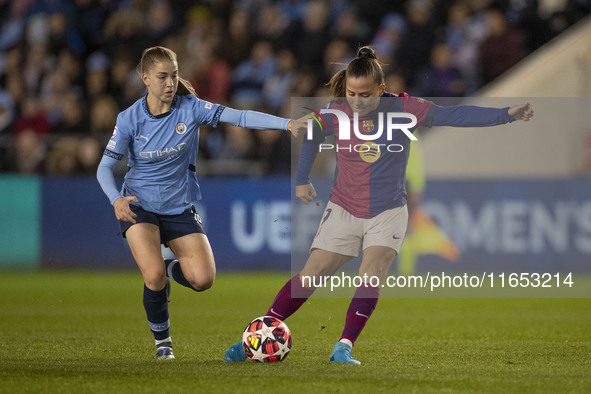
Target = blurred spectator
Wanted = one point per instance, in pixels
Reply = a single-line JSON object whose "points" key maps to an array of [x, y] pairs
{"points": [[89, 22], [293, 9], [122, 69], [159, 22], [97, 79], [501, 50], [211, 76], [387, 39], [55, 88], [123, 32], [463, 34], [74, 119], [240, 39], [37, 29], [275, 28], [336, 56], [238, 144], [273, 148], [415, 48], [350, 28], [33, 117], [277, 87], [90, 151], [133, 89], [395, 83], [37, 65], [61, 36], [534, 24], [250, 75], [313, 36], [11, 30], [103, 114], [305, 85], [440, 78], [202, 28], [15, 86], [6, 111], [30, 152], [12, 60], [62, 158], [70, 64]]}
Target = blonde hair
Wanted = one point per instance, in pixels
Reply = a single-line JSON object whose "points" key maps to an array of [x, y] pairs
{"points": [[365, 64], [156, 54]]}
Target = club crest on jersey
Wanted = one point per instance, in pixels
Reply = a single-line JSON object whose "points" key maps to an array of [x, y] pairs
{"points": [[180, 128], [367, 125]]}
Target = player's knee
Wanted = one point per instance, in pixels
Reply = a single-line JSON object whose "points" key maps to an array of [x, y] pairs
{"points": [[316, 272], [202, 284], [155, 281]]}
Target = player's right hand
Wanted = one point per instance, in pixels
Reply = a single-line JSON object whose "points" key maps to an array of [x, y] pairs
{"points": [[122, 210], [306, 193]]}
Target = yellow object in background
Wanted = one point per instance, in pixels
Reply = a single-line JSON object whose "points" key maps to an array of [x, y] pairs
{"points": [[423, 235]]}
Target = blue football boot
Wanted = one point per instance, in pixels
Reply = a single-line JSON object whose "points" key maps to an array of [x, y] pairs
{"points": [[235, 353], [341, 353]]}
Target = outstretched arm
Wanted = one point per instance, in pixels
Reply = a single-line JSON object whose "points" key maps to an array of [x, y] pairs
{"points": [[474, 116], [254, 119]]}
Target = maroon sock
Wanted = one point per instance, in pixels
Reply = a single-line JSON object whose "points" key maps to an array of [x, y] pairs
{"points": [[362, 306], [284, 305]]}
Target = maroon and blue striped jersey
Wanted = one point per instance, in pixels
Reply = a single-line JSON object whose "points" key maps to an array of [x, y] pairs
{"points": [[370, 174]]}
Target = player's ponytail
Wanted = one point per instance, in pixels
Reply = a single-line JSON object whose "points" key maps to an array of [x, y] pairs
{"points": [[185, 88], [365, 64], [337, 84], [156, 54]]}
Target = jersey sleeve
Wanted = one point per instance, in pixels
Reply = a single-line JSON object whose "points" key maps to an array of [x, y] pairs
{"points": [[207, 113], [104, 175], [253, 119], [306, 160], [114, 152], [419, 107], [119, 141], [322, 126], [470, 116]]}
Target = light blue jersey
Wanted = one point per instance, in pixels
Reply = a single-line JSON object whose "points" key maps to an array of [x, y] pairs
{"points": [[162, 150]]}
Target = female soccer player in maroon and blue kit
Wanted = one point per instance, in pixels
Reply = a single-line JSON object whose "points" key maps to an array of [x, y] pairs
{"points": [[367, 208]]}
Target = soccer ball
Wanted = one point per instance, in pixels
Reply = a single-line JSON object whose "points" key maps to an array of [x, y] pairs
{"points": [[266, 339]]}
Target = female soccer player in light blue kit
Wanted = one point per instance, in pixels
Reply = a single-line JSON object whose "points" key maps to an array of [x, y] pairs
{"points": [[160, 133]]}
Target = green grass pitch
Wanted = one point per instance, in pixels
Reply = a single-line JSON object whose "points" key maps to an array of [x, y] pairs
{"points": [[80, 332]]}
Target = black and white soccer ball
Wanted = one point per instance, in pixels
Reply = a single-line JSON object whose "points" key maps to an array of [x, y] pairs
{"points": [[266, 339]]}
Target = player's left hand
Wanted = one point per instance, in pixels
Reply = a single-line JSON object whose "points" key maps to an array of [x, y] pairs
{"points": [[295, 125], [522, 111]]}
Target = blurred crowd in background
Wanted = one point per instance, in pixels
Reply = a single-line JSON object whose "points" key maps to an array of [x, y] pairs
{"points": [[68, 67]]}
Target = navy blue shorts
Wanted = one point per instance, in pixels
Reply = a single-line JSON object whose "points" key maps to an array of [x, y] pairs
{"points": [[171, 226]]}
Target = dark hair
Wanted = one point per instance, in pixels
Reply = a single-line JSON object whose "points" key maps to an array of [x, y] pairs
{"points": [[153, 55], [365, 64]]}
